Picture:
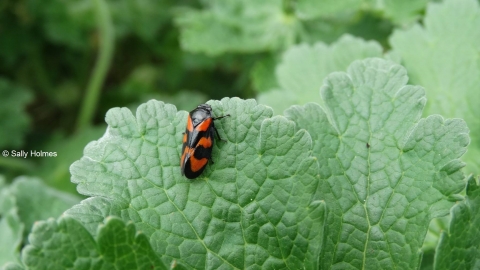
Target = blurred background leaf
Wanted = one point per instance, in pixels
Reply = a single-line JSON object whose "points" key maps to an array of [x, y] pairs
{"points": [[236, 26], [442, 55], [303, 68], [22, 203], [13, 117]]}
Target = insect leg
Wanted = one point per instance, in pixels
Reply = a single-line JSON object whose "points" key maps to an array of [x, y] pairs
{"points": [[220, 117]]}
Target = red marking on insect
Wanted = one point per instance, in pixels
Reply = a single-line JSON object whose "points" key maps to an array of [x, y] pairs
{"points": [[198, 141]]}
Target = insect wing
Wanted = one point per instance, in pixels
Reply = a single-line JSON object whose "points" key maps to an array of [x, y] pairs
{"points": [[197, 147]]}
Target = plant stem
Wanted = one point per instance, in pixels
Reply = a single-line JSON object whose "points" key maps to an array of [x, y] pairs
{"points": [[107, 39]]}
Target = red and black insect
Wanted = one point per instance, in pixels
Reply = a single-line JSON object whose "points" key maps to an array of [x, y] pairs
{"points": [[198, 141]]}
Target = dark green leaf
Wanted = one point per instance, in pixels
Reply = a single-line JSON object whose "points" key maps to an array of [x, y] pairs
{"points": [[312, 9], [13, 118], [263, 74], [400, 12]]}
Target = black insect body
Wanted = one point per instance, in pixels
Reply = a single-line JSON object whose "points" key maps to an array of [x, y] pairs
{"points": [[198, 141]]}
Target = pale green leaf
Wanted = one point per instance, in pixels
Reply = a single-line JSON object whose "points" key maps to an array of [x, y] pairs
{"points": [[385, 172], [236, 26], [443, 56], [36, 201], [11, 230], [22, 203], [303, 69]]}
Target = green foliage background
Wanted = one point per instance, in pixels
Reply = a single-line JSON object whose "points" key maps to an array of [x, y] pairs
{"points": [[65, 64]]}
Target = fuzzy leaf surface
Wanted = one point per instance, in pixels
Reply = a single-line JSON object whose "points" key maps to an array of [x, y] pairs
{"points": [[66, 244], [385, 171], [459, 247], [256, 206]]}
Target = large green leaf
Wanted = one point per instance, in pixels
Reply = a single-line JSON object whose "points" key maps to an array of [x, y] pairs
{"points": [[303, 69], [236, 26], [459, 248], [66, 244], [385, 172], [256, 206], [443, 57]]}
